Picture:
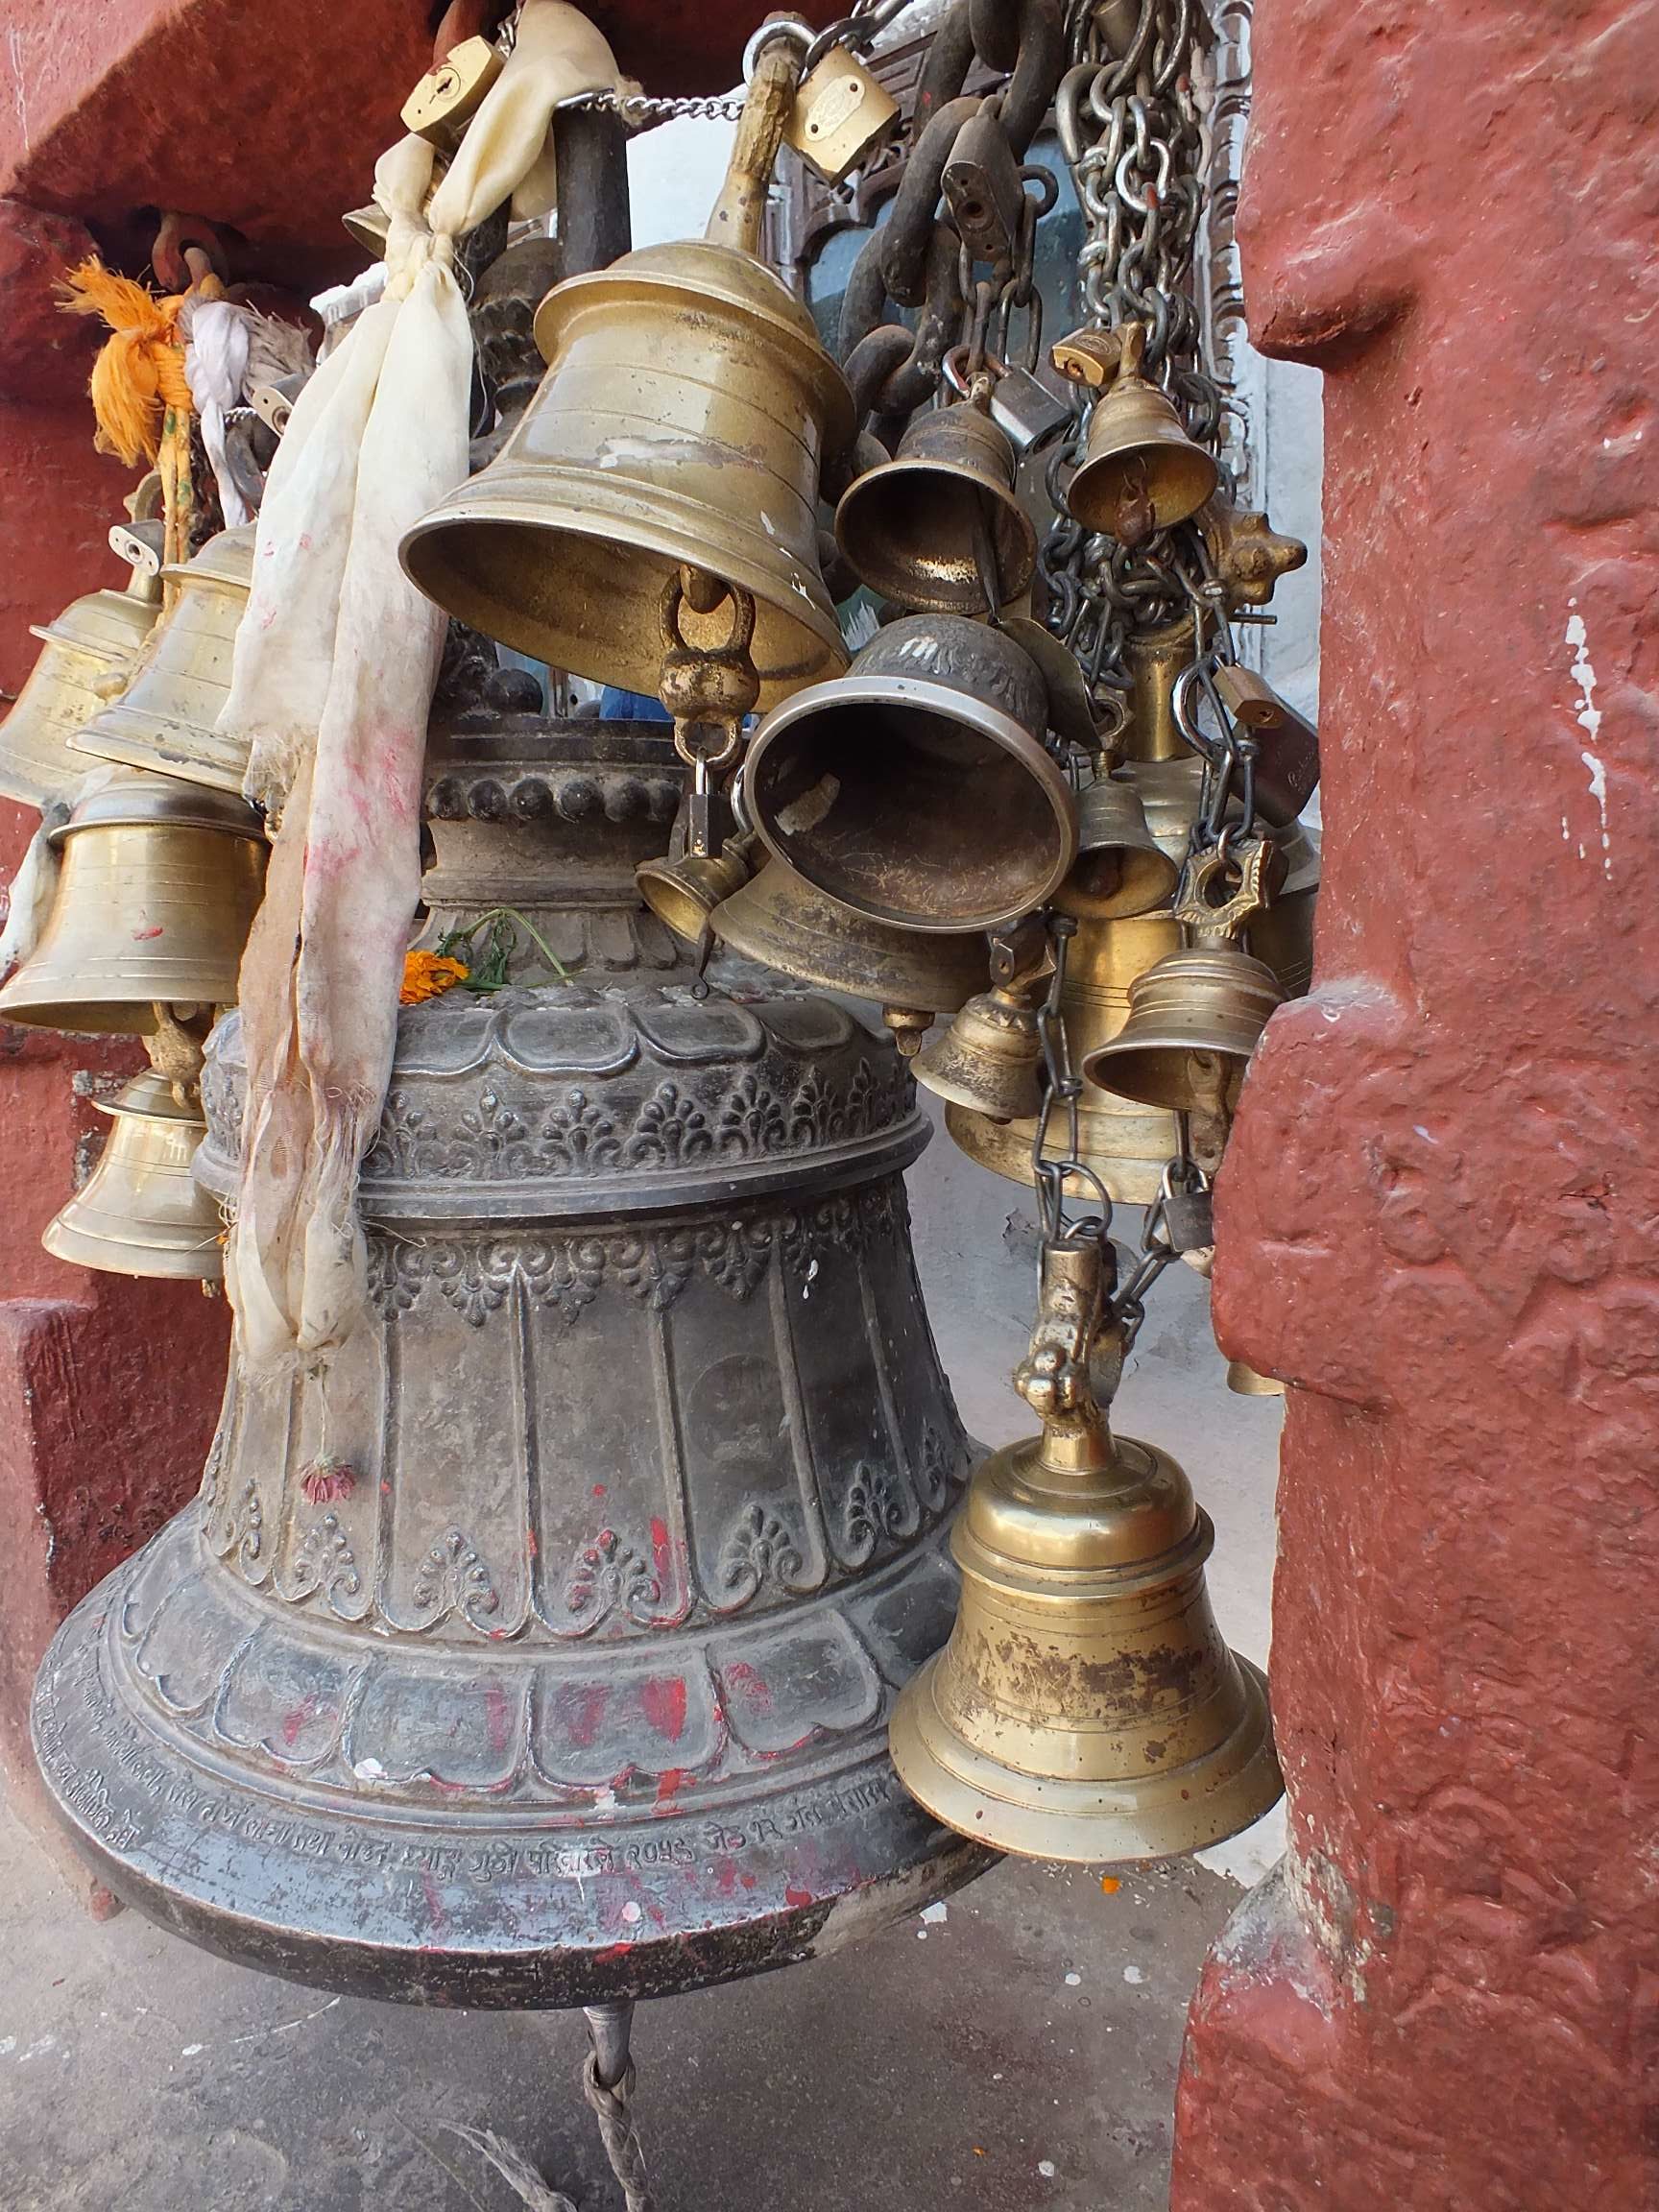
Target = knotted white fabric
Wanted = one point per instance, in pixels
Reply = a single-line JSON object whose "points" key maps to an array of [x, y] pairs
{"points": [[331, 685]]}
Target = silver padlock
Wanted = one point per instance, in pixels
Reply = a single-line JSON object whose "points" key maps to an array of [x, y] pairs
{"points": [[1028, 414]]}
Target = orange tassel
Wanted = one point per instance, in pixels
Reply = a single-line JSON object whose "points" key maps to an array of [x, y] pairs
{"points": [[139, 373]]}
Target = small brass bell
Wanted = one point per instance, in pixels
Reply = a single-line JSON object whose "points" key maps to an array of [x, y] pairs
{"points": [[165, 720], [88, 654], [783, 922], [932, 526], [684, 893], [1197, 1015], [1141, 471], [142, 1212], [1122, 869], [917, 788], [688, 406], [1244, 1382], [159, 884], [990, 1059], [1085, 1706]]}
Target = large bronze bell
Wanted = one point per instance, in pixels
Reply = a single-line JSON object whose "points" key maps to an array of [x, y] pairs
{"points": [[166, 719], [1141, 471], [558, 1668], [1197, 1017], [931, 527], [686, 408], [141, 1212], [159, 884], [783, 922], [917, 788], [1085, 1706], [88, 655]]}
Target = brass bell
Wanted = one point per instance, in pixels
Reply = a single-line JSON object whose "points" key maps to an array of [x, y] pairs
{"points": [[686, 408], [930, 527], [142, 1212], [159, 884], [990, 1059], [684, 893], [88, 653], [165, 720], [1141, 471], [1244, 1382], [1197, 1015], [1085, 1706], [1122, 869], [917, 788], [783, 922]]}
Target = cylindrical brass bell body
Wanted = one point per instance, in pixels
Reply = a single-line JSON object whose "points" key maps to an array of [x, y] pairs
{"points": [[88, 653], [142, 1212], [166, 719], [909, 526], [683, 418], [160, 886], [1195, 1020], [1140, 462], [1085, 1706], [917, 788], [783, 922]]}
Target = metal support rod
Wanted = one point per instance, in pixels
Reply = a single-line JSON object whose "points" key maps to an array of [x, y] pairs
{"points": [[608, 2084]]}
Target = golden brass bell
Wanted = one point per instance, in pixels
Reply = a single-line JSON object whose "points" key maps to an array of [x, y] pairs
{"points": [[684, 893], [990, 1059], [931, 526], [88, 655], [917, 788], [783, 922], [1244, 1382], [165, 720], [686, 408], [1141, 471], [1198, 1014], [142, 1212], [159, 884], [1122, 869], [1085, 1706]]}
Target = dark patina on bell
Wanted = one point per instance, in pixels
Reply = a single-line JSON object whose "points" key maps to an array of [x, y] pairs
{"points": [[565, 1676]]}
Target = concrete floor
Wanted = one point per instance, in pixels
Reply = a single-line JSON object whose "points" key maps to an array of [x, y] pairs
{"points": [[1018, 2053]]}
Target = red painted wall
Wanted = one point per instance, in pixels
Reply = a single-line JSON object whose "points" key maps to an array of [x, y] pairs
{"points": [[1440, 1217]]}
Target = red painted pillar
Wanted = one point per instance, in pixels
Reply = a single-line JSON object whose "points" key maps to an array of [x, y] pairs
{"points": [[1440, 1218]]}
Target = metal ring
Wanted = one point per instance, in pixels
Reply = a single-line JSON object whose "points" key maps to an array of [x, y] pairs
{"points": [[791, 27]]}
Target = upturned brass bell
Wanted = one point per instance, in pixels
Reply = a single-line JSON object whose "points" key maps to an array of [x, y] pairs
{"points": [[159, 884], [932, 526], [917, 788], [165, 720], [686, 408], [1197, 1015], [1085, 1706], [1122, 869], [1141, 471], [785, 923], [142, 1212], [88, 655]]}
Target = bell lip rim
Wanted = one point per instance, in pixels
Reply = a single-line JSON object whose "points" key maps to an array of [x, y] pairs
{"points": [[820, 622], [840, 422], [989, 722], [74, 1246], [1131, 1179], [123, 807], [134, 752], [959, 1097], [1072, 1835], [30, 1014], [133, 1096]]}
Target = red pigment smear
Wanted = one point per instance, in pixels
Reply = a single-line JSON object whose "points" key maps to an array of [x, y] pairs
{"points": [[497, 1716], [661, 1557], [582, 1711], [292, 1722], [726, 1877], [531, 1543], [434, 1902], [143, 936], [753, 1690], [598, 1489], [671, 1779], [798, 1897], [664, 1703]]}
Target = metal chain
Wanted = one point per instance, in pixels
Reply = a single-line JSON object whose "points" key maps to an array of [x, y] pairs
{"points": [[1132, 132]]}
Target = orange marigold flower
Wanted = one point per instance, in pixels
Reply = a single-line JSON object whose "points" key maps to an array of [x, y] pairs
{"points": [[428, 975]]}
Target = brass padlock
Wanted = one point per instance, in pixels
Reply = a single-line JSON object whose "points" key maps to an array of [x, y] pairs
{"points": [[841, 115], [447, 97], [1286, 771]]}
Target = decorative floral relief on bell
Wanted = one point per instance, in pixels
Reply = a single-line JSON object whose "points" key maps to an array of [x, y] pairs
{"points": [[566, 1675]]}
